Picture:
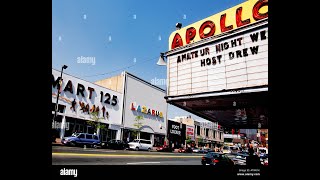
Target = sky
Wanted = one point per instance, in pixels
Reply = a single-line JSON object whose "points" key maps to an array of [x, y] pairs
{"points": [[122, 35]]}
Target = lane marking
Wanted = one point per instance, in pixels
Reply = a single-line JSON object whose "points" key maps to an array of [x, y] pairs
{"points": [[81, 149], [100, 151], [144, 163], [122, 155]]}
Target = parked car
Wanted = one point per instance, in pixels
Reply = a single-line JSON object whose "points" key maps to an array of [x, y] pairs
{"points": [[140, 144], [164, 149], [265, 162], [80, 139], [195, 150], [226, 150], [234, 149], [217, 159], [115, 144], [263, 150], [205, 150], [240, 158], [263, 156], [185, 150]]}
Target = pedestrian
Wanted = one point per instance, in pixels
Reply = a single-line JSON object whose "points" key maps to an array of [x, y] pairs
{"points": [[252, 161]]}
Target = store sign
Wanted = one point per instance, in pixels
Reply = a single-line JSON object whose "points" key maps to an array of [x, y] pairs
{"points": [[106, 98], [232, 18], [190, 132], [175, 130], [240, 61], [84, 100], [146, 110], [209, 125]]}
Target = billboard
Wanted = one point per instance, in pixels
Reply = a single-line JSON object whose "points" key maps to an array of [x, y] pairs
{"points": [[238, 16], [237, 60], [190, 132]]}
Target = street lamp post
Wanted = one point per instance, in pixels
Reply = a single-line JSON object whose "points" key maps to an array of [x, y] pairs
{"points": [[166, 134], [58, 93], [161, 62]]}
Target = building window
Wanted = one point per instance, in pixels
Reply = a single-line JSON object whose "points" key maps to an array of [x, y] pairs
{"points": [[214, 134], [207, 132], [220, 135], [198, 130]]}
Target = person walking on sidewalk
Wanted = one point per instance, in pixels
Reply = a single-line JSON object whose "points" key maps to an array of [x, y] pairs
{"points": [[252, 161]]}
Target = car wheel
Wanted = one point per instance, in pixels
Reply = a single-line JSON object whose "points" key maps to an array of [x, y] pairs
{"points": [[137, 148], [94, 146], [72, 143], [149, 149]]}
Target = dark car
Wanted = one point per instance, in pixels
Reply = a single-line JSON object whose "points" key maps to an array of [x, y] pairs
{"points": [[217, 159], [205, 150], [185, 150], [164, 149], [263, 156], [115, 144]]}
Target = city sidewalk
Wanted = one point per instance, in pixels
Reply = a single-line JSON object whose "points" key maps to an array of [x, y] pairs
{"points": [[57, 143], [154, 149]]}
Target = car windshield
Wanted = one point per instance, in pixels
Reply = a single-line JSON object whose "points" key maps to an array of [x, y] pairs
{"points": [[226, 147], [135, 140], [75, 135]]}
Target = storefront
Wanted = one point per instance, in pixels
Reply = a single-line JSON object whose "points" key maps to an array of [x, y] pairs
{"points": [[144, 108], [78, 101], [176, 134]]}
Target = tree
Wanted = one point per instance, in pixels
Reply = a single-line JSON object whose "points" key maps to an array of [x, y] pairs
{"points": [[95, 123], [138, 125], [189, 140], [200, 141]]}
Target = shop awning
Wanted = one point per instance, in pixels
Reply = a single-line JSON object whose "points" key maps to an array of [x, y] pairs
{"points": [[244, 110]]}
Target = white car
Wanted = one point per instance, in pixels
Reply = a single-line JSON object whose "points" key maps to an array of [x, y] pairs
{"points": [[195, 150], [140, 144], [226, 150]]}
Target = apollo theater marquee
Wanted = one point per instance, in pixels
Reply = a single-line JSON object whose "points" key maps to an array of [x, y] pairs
{"points": [[217, 68]]}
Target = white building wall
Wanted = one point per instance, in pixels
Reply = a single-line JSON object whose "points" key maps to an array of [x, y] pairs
{"points": [[144, 94]]}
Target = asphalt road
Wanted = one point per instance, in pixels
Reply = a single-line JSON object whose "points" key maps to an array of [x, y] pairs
{"points": [[63, 155]]}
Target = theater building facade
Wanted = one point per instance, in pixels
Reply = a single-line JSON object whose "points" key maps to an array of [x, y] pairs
{"points": [[217, 68]]}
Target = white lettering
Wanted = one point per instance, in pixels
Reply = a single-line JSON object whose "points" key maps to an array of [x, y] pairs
{"points": [[82, 59], [65, 171], [175, 132], [175, 127]]}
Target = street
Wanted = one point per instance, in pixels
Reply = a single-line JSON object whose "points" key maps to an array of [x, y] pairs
{"points": [[62, 155]]}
